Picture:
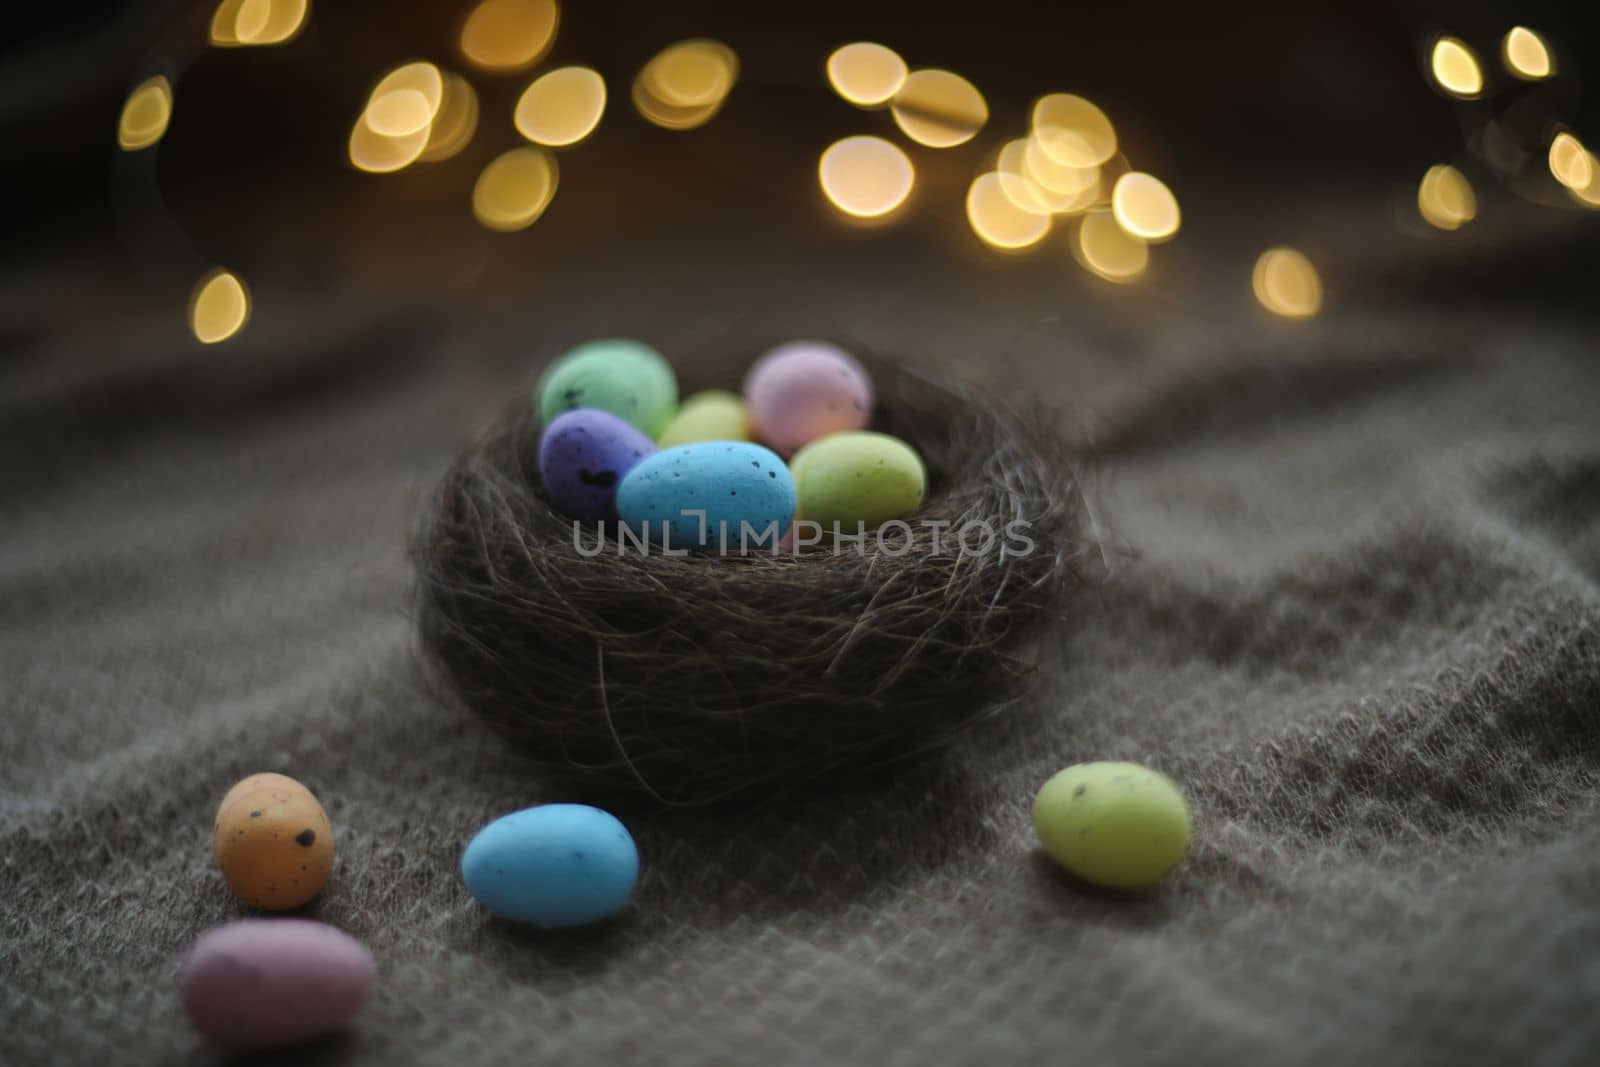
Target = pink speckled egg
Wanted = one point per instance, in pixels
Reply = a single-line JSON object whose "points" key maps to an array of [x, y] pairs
{"points": [[804, 390], [262, 982]]}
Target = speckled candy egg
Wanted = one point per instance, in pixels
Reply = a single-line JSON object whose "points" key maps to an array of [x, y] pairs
{"points": [[583, 456], [555, 865], [862, 477], [273, 842], [626, 378], [730, 482], [262, 982], [714, 415], [803, 390], [1114, 824]]}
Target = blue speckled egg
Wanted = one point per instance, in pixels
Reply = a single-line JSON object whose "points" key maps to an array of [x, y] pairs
{"points": [[555, 865], [731, 482], [583, 456]]}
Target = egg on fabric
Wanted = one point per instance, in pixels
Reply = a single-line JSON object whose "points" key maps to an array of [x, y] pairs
{"points": [[257, 983], [554, 866], [702, 496], [273, 842], [803, 390], [583, 457], [1118, 825], [863, 478], [714, 415], [629, 379]]}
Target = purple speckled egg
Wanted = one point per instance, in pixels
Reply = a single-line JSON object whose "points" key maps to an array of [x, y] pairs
{"points": [[262, 982], [804, 390], [583, 456]]}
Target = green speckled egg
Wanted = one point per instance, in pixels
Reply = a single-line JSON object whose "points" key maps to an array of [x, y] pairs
{"points": [[857, 477], [629, 379], [714, 415], [1114, 824]]}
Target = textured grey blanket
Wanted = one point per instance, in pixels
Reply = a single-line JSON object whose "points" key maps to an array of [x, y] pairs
{"points": [[1352, 609]]}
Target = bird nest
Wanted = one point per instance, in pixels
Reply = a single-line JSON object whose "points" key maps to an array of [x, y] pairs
{"points": [[699, 676]]}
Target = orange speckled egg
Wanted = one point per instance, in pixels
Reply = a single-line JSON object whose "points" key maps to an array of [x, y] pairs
{"points": [[273, 842]]}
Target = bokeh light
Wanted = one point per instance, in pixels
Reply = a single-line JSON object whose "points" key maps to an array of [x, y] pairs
{"points": [[1455, 68], [1020, 189], [1059, 189], [392, 106], [686, 84], [373, 152], [1589, 196], [1286, 283], [1072, 131], [1105, 249], [1145, 207], [1526, 55], [514, 189], [399, 113], [1570, 162], [997, 220], [219, 307], [1445, 198], [865, 177], [939, 108], [561, 107], [146, 114], [508, 35], [237, 23], [455, 124], [866, 74]]}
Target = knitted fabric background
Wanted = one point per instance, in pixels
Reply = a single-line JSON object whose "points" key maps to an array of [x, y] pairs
{"points": [[1352, 608]]}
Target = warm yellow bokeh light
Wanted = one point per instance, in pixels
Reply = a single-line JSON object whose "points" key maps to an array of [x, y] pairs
{"points": [[1570, 162], [399, 113], [866, 177], [691, 74], [1455, 68], [1106, 249], [1445, 198], [997, 220], [1019, 188], [939, 109], [146, 115], [258, 22], [502, 35], [219, 307], [373, 152], [419, 77], [455, 124], [1589, 197], [1145, 207], [1286, 283], [1073, 131], [1023, 160], [561, 107], [686, 84], [514, 189], [866, 74], [1526, 55]]}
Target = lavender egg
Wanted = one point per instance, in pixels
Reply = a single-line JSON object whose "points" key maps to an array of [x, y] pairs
{"points": [[257, 983], [583, 457], [804, 390]]}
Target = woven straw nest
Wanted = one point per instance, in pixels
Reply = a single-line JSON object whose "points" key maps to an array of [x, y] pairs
{"points": [[695, 678]]}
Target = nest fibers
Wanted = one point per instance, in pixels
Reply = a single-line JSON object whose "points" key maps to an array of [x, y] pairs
{"points": [[696, 677]]}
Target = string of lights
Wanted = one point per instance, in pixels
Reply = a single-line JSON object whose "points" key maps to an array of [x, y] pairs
{"points": [[1066, 173]]}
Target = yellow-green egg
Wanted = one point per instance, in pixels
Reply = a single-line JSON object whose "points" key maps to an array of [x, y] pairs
{"points": [[857, 477], [629, 379], [1114, 824], [714, 415]]}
